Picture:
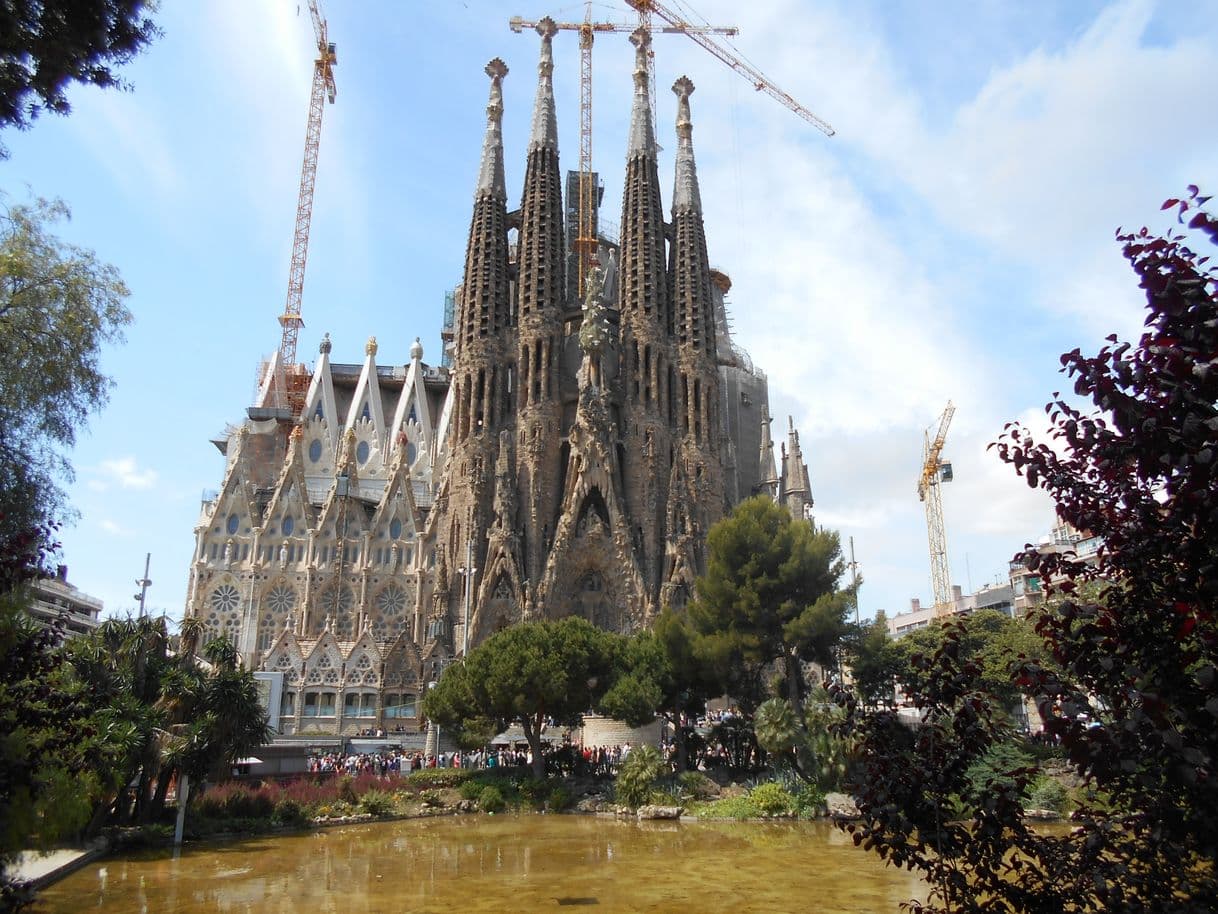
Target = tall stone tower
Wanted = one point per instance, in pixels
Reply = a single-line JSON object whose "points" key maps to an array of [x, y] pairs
{"points": [[585, 465]]}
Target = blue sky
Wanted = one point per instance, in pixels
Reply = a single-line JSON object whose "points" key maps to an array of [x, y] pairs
{"points": [[951, 240]]}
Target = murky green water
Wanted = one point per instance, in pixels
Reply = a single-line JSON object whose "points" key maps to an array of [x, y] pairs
{"points": [[502, 864]]}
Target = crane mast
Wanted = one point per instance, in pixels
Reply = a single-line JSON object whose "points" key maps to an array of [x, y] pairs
{"points": [[935, 472], [760, 81], [291, 320], [585, 242]]}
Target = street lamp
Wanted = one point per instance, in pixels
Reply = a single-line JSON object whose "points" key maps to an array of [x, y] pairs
{"points": [[143, 584], [467, 571]]}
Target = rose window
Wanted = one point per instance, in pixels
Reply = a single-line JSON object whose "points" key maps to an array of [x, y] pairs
{"points": [[337, 600], [225, 598], [281, 599]]}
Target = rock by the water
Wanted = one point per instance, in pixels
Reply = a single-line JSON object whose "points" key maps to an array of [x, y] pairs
{"points": [[659, 812], [841, 806]]}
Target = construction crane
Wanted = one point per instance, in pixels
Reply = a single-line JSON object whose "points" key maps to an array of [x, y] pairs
{"points": [[935, 472], [585, 242], [759, 80], [291, 320]]}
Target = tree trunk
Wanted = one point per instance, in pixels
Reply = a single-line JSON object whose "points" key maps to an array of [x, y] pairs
{"points": [[532, 733], [157, 807], [680, 737]]}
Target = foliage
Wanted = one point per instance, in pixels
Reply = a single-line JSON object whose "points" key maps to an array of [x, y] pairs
{"points": [[637, 776], [737, 807], [771, 798], [769, 597], [808, 802], [59, 306], [377, 802], [1132, 694], [155, 715], [1048, 793], [660, 671], [440, 777], [289, 813], [558, 799], [696, 785], [490, 799], [875, 661], [814, 751], [1002, 763], [45, 45], [777, 729], [528, 672], [991, 640], [45, 789]]}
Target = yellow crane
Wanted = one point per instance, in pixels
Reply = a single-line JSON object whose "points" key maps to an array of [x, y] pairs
{"points": [[760, 81], [295, 379], [585, 242], [935, 472]]}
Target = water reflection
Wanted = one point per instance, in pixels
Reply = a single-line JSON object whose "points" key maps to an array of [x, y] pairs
{"points": [[505, 863]]}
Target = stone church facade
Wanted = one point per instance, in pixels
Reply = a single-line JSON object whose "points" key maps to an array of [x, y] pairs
{"points": [[566, 458]]}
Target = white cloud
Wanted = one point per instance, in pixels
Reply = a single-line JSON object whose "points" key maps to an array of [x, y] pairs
{"points": [[113, 529], [127, 474]]}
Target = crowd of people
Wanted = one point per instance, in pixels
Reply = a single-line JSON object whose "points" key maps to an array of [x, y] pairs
{"points": [[599, 761]]}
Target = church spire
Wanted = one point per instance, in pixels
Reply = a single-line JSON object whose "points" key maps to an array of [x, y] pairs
{"points": [[642, 140], [768, 469], [689, 279], [644, 286], [486, 312], [796, 489], [490, 176], [545, 126], [685, 195]]}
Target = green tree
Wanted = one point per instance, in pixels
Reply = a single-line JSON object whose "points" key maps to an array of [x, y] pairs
{"points": [[1132, 693], [875, 661], [993, 641], [660, 672], [45, 45], [156, 715], [59, 305], [46, 791], [529, 673], [769, 599]]}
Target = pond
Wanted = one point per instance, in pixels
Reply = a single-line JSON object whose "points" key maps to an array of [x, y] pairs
{"points": [[502, 864]]}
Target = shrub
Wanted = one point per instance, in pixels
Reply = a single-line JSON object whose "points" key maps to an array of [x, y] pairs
{"points": [[559, 799], [289, 812], [346, 789], [771, 798], [490, 800], [440, 777], [637, 776], [697, 785], [431, 798], [376, 802], [808, 802], [741, 807], [534, 792], [1048, 793], [471, 789]]}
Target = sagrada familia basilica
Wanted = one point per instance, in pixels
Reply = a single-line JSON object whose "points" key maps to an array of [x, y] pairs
{"points": [[566, 457]]}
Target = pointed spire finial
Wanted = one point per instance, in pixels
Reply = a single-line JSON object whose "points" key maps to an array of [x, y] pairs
{"points": [[545, 122], [642, 140], [685, 193], [370, 347], [490, 176], [683, 88]]}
